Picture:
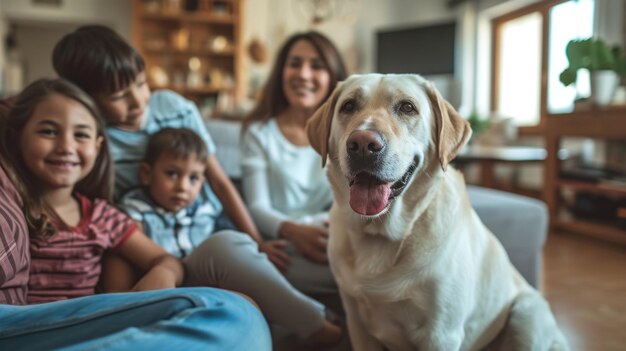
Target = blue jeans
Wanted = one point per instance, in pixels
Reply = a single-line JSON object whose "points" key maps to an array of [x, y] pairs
{"points": [[176, 319]]}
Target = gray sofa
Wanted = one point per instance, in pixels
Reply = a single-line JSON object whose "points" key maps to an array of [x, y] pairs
{"points": [[519, 222]]}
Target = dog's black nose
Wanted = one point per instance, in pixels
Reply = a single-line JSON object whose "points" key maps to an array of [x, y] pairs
{"points": [[365, 145]]}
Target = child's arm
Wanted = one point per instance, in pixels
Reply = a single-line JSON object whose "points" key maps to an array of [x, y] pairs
{"points": [[118, 275], [230, 198], [163, 270]]}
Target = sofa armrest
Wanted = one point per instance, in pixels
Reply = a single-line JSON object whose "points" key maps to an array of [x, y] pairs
{"points": [[520, 223]]}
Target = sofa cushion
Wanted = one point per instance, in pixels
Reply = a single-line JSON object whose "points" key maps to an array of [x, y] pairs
{"points": [[519, 222]]}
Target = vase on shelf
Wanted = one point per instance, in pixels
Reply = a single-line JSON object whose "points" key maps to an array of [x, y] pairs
{"points": [[603, 86]]}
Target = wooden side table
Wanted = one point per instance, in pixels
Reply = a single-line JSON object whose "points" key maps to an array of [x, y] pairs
{"points": [[489, 156]]}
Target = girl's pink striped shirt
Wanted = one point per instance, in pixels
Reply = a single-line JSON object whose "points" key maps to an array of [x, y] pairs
{"points": [[68, 264]]}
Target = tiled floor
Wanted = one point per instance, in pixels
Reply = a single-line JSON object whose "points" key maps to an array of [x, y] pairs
{"points": [[585, 282]]}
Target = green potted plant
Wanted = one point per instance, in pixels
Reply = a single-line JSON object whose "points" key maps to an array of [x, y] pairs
{"points": [[478, 123], [604, 62]]}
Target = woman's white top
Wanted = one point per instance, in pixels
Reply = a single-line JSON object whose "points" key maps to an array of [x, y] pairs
{"points": [[282, 181]]}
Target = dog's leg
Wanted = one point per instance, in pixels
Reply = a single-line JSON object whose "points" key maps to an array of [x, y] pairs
{"points": [[359, 337], [530, 326], [439, 338]]}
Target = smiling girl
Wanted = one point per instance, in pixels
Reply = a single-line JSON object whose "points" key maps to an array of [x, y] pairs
{"points": [[54, 138]]}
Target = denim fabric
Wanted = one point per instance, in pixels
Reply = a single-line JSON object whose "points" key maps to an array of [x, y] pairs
{"points": [[175, 319]]}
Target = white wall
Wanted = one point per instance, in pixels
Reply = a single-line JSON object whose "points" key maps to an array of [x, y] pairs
{"points": [[273, 21], [114, 13], [40, 27], [36, 42], [354, 32]]}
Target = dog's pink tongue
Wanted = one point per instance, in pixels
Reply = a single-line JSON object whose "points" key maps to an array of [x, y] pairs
{"points": [[368, 195]]}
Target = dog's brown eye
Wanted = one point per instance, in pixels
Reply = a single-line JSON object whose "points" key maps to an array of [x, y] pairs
{"points": [[408, 108], [348, 106]]}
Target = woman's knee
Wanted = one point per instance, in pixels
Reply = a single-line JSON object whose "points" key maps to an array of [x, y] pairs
{"points": [[226, 241], [219, 255]]}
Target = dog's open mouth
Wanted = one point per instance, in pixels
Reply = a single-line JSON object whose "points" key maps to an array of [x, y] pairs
{"points": [[370, 195]]}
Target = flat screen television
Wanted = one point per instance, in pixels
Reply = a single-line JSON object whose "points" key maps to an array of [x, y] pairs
{"points": [[426, 50]]}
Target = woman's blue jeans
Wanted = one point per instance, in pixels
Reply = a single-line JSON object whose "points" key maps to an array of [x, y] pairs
{"points": [[174, 319]]}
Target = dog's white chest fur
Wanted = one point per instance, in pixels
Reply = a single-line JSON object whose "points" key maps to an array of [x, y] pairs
{"points": [[404, 293], [367, 272]]}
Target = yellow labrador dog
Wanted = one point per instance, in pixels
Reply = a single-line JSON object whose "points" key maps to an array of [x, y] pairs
{"points": [[416, 268]]}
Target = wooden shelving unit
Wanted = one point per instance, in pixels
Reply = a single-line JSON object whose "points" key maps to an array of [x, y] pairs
{"points": [[192, 47], [589, 187], [599, 123]]}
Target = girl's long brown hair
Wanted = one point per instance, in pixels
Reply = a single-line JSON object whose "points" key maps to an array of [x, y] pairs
{"points": [[273, 100], [97, 184]]}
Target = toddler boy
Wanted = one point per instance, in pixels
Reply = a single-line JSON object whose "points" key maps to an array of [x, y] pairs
{"points": [[166, 204]]}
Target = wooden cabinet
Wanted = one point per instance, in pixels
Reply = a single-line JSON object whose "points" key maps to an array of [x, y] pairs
{"points": [[607, 123], [192, 47]]}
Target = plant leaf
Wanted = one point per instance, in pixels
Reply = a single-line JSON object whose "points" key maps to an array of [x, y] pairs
{"points": [[568, 76]]}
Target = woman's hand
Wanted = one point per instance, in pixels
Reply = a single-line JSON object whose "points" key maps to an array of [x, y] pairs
{"points": [[275, 251], [310, 241]]}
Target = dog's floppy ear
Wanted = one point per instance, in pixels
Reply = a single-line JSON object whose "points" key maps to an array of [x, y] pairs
{"points": [[318, 126], [453, 130]]}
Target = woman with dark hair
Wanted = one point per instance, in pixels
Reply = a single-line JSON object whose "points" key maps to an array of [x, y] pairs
{"points": [[274, 98], [284, 184]]}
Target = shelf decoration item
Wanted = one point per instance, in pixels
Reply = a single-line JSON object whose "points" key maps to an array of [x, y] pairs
{"points": [[193, 47], [194, 77], [171, 6], [153, 6], [257, 51], [605, 63], [221, 8], [158, 76], [180, 39], [219, 44]]}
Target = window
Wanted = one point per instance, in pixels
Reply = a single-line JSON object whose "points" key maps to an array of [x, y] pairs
{"points": [[529, 55], [572, 19], [519, 52]]}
